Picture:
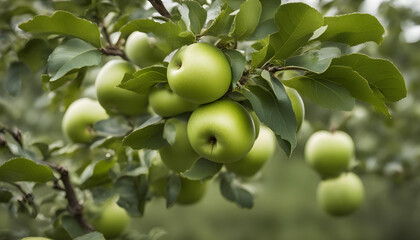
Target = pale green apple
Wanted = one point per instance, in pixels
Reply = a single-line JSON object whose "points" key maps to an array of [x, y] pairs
{"points": [[116, 100], [222, 131], [142, 49], [178, 156], [341, 195], [200, 73], [78, 120], [329, 153], [297, 105], [263, 149], [36, 238], [166, 103], [112, 221]]}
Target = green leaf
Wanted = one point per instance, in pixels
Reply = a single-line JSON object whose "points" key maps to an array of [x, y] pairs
{"points": [[174, 36], [246, 20], [262, 56], [234, 192], [353, 29], [116, 126], [202, 169], [144, 79], [64, 23], [263, 30], [380, 73], [269, 9], [71, 55], [169, 132], [194, 16], [133, 194], [315, 60], [148, 135], [222, 24], [22, 169], [234, 4], [237, 64], [72, 226], [91, 236], [5, 195], [35, 53], [173, 187], [16, 73], [324, 93], [296, 23], [96, 174]]}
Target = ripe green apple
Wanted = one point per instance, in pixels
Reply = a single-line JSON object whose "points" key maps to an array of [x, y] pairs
{"points": [[200, 73], [78, 120], [166, 103], [329, 153], [36, 238], [112, 221], [178, 156], [142, 49], [297, 105], [222, 131], [116, 100], [263, 149], [341, 195]]}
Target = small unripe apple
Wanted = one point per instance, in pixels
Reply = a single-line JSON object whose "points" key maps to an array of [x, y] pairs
{"points": [[116, 100], [178, 156], [200, 73], [329, 153], [112, 221], [222, 131], [166, 103], [341, 195], [79, 118], [297, 105], [263, 149], [142, 49]]}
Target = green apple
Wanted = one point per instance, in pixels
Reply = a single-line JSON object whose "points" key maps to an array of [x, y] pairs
{"points": [[116, 100], [222, 131], [200, 73], [112, 221], [341, 195], [191, 191], [179, 155], [263, 149], [256, 121], [329, 153], [166, 103], [297, 105], [142, 49], [36, 238], [79, 118]]}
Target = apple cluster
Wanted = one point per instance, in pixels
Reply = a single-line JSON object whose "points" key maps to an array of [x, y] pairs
{"points": [[330, 154]]}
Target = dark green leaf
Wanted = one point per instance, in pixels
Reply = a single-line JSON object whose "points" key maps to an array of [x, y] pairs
{"points": [[72, 226], [316, 60], [380, 73], [22, 169], [222, 24], [133, 192], [16, 73], [91, 236], [96, 174], [353, 29], [246, 20], [113, 126], [233, 192], [193, 15], [234, 4], [144, 79], [5, 195], [64, 23], [264, 30], [202, 169], [237, 64], [173, 186], [35, 53], [262, 56], [71, 55], [148, 135]]}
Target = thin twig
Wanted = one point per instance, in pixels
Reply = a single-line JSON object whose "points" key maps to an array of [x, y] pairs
{"points": [[158, 5], [114, 51], [279, 68]]}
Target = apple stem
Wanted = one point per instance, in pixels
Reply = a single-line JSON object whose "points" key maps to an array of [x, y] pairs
{"points": [[212, 143]]}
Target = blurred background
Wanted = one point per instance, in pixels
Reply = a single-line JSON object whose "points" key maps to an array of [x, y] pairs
{"points": [[387, 153]]}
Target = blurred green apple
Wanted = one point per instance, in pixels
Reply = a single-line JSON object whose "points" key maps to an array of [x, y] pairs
{"points": [[263, 149], [297, 105], [79, 118], [179, 155], [142, 49], [222, 131], [329, 153], [116, 100], [112, 221], [166, 103], [341, 195], [200, 73]]}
